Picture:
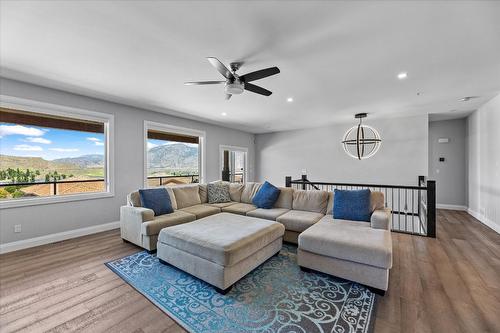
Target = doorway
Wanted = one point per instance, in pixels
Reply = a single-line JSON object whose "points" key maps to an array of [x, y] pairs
{"points": [[233, 164]]}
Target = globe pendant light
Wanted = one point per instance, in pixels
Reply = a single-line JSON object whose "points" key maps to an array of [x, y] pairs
{"points": [[361, 141]]}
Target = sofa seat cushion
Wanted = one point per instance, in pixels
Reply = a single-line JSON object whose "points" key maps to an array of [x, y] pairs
{"points": [[224, 239], [201, 210], [349, 240], [299, 220], [268, 214], [239, 208], [154, 226], [223, 204]]}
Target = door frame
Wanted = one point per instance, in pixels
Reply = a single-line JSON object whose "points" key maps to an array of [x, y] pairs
{"points": [[234, 148]]}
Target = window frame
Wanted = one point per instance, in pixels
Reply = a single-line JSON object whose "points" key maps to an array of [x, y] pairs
{"points": [[234, 148], [162, 127], [76, 113]]}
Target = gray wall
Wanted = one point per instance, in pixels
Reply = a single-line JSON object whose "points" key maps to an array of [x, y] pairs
{"points": [[483, 143], [450, 175], [52, 218], [401, 158]]}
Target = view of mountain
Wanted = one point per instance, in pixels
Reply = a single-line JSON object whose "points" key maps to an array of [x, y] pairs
{"points": [[85, 161], [173, 156], [164, 159], [82, 167], [36, 163]]}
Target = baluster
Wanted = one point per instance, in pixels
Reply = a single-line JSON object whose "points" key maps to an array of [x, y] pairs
{"points": [[406, 209], [412, 210]]}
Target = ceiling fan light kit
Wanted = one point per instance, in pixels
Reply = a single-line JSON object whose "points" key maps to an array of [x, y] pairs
{"points": [[361, 141], [235, 84]]}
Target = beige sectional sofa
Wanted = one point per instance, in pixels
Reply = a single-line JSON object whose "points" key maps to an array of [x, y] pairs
{"points": [[358, 251]]}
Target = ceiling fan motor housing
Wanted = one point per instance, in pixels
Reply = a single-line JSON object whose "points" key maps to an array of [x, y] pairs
{"points": [[234, 88]]}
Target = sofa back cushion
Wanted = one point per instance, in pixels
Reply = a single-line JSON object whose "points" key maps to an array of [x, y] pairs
{"points": [[203, 193], [329, 206], [285, 198], [248, 192], [352, 205], [311, 201], [187, 195], [376, 201], [156, 199], [235, 190], [134, 199]]}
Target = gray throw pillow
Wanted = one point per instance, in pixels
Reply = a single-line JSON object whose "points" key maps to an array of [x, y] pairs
{"points": [[218, 192]]}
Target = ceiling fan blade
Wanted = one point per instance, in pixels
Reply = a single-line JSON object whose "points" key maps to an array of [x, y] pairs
{"points": [[257, 75], [203, 82], [228, 96], [219, 66], [257, 89]]}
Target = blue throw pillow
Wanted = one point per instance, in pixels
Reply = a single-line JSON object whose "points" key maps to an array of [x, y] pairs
{"points": [[266, 196], [156, 199], [352, 205]]}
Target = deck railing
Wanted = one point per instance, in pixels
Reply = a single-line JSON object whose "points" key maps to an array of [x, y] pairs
{"points": [[55, 184], [413, 208]]}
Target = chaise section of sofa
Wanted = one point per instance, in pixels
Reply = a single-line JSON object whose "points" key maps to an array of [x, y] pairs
{"points": [[354, 250]]}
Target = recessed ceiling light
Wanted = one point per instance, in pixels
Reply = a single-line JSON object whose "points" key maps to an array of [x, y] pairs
{"points": [[467, 98], [402, 75], [289, 99], [224, 114]]}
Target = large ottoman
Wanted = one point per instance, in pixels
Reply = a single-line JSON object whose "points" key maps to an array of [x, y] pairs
{"points": [[220, 249]]}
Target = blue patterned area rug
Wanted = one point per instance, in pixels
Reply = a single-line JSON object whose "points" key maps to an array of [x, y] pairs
{"points": [[275, 297]]}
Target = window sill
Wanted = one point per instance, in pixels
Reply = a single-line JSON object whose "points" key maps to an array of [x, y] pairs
{"points": [[53, 199]]}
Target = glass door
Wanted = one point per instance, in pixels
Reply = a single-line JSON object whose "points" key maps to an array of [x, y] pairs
{"points": [[233, 164]]}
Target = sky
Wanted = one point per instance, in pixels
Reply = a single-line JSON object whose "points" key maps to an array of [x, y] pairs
{"points": [[48, 143]]}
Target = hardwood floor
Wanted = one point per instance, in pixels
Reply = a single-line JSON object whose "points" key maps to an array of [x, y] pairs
{"points": [[448, 284]]}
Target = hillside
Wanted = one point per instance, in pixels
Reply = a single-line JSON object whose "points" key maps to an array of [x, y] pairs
{"points": [[82, 167], [35, 163], [173, 156], [85, 161]]}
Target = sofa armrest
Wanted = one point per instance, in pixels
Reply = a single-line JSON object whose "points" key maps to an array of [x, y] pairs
{"points": [[131, 219], [137, 213], [381, 219]]}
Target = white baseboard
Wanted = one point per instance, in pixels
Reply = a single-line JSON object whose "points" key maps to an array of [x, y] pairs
{"points": [[484, 220], [452, 207], [60, 236]]}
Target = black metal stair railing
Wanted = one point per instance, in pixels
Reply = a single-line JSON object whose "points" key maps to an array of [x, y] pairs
{"points": [[413, 208]]}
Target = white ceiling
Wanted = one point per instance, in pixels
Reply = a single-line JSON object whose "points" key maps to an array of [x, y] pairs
{"points": [[336, 58]]}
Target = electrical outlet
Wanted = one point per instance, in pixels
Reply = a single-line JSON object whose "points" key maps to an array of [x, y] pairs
{"points": [[17, 228]]}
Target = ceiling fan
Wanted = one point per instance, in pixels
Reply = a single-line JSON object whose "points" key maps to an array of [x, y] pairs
{"points": [[236, 84]]}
